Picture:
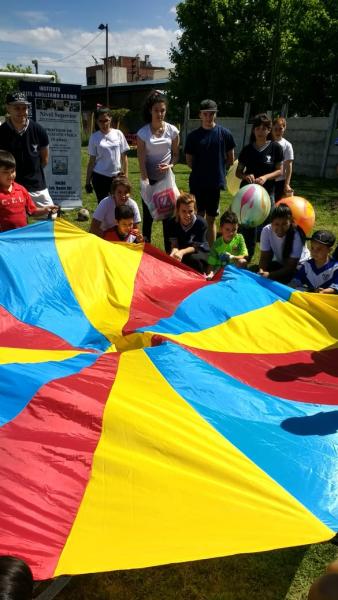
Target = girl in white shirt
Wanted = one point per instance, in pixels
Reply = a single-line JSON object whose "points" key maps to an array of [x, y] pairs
{"points": [[104, 215], [282, 246], [157, 151], [282, 183], [107, 150]]}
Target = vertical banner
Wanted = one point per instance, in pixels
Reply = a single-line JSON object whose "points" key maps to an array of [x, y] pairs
{"points": [[57, 107]]}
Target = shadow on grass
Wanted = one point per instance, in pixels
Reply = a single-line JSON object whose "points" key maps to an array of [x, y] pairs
{"points": [[266, 575]]}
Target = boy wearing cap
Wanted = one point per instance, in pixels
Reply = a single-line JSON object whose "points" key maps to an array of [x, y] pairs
{"points": [[208, 149], [320, 273], [28, 142]]}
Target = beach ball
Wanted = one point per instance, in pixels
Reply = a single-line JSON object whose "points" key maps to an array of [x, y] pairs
{"points": [[302, 211], [233, 182], [252, 205]]}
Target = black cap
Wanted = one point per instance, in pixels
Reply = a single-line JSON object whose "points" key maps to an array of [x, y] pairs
{"points": [[208, 105], [324, 237], [17, 98]]}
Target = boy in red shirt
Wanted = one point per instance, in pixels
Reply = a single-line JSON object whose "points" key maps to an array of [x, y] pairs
{"points": [[124, 230], [15, 201]]}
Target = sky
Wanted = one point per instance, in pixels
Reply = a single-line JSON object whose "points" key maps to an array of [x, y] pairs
{"points": [[56, 33]]}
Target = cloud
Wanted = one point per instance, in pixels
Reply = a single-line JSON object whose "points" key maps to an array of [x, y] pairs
{"points": [[172, 10], [59, 49], [38, 37], [153, 41]]}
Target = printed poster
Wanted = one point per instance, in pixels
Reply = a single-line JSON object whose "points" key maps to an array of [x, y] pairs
{"points": [[57, 107]]}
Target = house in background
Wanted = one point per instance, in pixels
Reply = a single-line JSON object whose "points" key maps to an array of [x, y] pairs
{"points": [[124, 69], [130, 80]]}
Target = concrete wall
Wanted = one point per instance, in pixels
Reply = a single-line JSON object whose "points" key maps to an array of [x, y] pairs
{"points": [[235, 124], [115, 75], [313, 140], [161, 73], [308, 135]]}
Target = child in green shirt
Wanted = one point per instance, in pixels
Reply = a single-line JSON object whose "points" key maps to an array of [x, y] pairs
{"points": [[229, 247]]}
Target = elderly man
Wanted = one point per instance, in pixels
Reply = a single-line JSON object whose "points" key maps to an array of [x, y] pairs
{"points": [[28, 142]]}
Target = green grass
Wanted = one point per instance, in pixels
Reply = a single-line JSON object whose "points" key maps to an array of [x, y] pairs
{"points": [[276, 575]]}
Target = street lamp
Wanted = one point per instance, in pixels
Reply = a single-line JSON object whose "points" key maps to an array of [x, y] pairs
{"points": [[36, 65], [102, 27]]}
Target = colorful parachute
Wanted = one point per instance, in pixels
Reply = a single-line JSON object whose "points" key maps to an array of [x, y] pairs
{"points": [[148, 416]]}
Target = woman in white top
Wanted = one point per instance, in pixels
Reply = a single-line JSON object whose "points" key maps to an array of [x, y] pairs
{"points": [[282, 183], [107, 149], [157, 151]]}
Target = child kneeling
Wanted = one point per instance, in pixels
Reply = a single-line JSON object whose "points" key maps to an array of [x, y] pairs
{"points": [[104, 215], [320, 273], [124, 230], [229, 248], [282, 246], [187, 234]]}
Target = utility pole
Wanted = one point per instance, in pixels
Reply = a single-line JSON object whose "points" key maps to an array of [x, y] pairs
{"points": [[102, 27], [36, 65]]}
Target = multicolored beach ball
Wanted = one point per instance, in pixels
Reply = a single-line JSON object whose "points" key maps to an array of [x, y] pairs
{"points": [[252, 205]]}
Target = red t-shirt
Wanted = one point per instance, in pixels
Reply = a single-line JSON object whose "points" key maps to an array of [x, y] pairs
{"points": [[14, 207], [112, 235]]}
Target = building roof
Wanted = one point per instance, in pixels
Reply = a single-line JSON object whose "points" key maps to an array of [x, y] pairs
{"points": [[150, 82]]}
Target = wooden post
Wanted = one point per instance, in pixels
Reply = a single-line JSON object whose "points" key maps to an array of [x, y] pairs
{"points": [[185, 123], [331, 126], [246, 115]]}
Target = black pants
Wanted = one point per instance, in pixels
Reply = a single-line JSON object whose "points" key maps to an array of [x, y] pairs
{"points": [[279, 190], [197, 261], [101, 185], [207, 201], [147, 223], [250, 237]]}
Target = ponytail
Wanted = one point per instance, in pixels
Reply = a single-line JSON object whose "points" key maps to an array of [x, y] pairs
{"points": [[289, 238]]}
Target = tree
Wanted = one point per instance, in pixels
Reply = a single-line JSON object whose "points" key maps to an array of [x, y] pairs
{"points": [[118, 114], [56, 75], [223, 52], [236, 50], [309, 69], [10, 85]]}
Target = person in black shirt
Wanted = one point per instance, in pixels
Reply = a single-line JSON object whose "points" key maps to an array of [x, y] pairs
{"points": [[209, 149], [187, 234], [28, 142], [259, 162]]}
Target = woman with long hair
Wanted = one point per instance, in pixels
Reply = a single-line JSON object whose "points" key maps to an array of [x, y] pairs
{"points": [[282, 246], [16, 579], [259, 162], [157, 151]]}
